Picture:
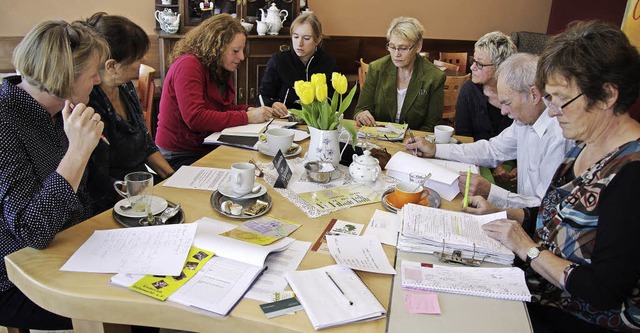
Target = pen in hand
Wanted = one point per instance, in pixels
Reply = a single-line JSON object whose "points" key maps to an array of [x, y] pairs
{"points": [[413, 140], [340, 289], [102, 137]]}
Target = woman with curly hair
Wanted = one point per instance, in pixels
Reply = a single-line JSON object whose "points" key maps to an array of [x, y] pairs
{"points": [[198, 93]]}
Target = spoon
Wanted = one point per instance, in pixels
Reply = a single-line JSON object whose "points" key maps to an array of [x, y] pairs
{"points": [[255, 189], [126, 205]]}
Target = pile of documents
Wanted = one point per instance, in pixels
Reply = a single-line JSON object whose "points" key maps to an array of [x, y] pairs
{"points": [[429, 230], [444, 174]]}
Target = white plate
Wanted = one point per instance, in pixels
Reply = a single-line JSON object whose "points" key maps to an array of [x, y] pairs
{"points": [[227, 190], [158, 204], [264, 148]]}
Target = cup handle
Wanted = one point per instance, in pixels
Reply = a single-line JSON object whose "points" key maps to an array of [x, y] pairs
{"points": [[346, 144], [117, 185]]}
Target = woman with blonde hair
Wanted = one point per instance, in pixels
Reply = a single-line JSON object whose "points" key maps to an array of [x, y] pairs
{"points": [[402, 87], [47, 134], [304, 59], [198, 93]]}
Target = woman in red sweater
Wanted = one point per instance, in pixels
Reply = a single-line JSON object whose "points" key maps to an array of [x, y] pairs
{"points": [[198, 93]]}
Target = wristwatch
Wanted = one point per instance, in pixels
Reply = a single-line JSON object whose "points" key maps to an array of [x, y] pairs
{"points": [[534, 252]]}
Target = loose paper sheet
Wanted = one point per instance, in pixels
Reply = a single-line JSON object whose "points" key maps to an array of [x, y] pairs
{"points": [[384, 225], [157, 250], [198, 178], [363, 253]]}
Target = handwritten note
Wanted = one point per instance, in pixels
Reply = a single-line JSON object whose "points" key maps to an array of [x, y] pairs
{"points": [[157, 250], [362, 253], [422, 303], [198, 178]]}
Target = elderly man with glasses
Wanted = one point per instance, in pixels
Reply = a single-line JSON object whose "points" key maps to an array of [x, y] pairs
{"points": [[402, 87], [534, 139]]}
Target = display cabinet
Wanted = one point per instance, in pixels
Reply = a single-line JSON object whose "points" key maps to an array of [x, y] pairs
{"points": [[161, 5]]}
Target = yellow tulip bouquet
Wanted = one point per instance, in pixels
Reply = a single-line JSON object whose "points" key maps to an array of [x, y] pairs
{"points": [[318, 110]]}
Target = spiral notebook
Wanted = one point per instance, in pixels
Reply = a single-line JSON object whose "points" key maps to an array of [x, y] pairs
{"points": [[506, 283]]}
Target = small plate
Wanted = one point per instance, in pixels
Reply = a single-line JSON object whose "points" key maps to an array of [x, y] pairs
{"points": [[135, 221], [434, 199], [227, 190], [158, 204], [217, 198], [264, 148]]}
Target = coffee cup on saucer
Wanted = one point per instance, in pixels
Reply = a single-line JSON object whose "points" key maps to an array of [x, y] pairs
{"points": [[278, 139], [242, 177], [407, 192], [443, 133]]}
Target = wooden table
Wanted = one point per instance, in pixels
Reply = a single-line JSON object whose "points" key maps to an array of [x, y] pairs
{"points": [[95, 305]]}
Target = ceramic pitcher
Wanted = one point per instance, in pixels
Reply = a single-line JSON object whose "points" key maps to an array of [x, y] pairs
{"points": [[325, 146]]}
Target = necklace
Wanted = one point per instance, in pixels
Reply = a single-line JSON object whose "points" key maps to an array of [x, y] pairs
{"points": [[405, 78]]}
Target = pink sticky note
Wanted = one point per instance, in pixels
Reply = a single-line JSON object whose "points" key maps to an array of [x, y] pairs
{"points": [[413, 274], [421, 303]]}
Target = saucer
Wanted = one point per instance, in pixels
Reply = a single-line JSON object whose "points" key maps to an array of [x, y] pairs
{"points": [[264, 148], [389, 195], [135, 221], [227, 190], [432, 139], [158, 204], [218, 198]]}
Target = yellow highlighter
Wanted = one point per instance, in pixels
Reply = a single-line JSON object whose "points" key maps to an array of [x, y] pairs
{"points": [[465, 202]]}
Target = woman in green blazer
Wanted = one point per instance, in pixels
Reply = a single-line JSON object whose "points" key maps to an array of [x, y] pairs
{"points": [[402, 87]]}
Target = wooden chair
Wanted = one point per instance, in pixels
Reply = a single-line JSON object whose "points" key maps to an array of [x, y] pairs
{"points": [[146, 90], [446, 65], [362, 72], [452, 86], [456, 58], [17, 330]]}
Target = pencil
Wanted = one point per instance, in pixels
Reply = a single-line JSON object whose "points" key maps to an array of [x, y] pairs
{"points": [[465, 202], [102, 137]]}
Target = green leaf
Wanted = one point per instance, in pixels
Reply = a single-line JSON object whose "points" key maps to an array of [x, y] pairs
{"points": [[348, 125], [347, 100], [334, 101]]}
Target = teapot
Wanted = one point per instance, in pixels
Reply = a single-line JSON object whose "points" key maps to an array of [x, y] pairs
{"points": [[272, 18], [169, 20], [364, 168]]}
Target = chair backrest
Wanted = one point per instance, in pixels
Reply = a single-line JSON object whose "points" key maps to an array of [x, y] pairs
{"points": [[530, 42], [452, 86], [446, 65], [146, 90], [456, 58], [362, 72]]}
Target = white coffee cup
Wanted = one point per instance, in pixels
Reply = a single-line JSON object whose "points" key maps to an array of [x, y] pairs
{"points": [[242, 177], [278, 139], [443, 133], [166, 2]]}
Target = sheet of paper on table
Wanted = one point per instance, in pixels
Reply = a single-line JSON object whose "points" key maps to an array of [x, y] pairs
{"points": [[444, 174], [362, 253], [336, 228], [158, 250], [197, 178], [246, 135], [384, 225]]}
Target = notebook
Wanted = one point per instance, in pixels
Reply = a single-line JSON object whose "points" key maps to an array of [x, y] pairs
{"points": [[334, 296], [506, 283]]}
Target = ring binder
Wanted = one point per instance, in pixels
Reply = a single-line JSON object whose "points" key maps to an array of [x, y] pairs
{"points": [[456, 257]]}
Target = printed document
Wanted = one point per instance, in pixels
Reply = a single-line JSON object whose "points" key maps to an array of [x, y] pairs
{"points": [[384, 225], [363, 253], [198, 178]]}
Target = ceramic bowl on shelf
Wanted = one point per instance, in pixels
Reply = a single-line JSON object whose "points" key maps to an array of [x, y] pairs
{"points": [[247, 26]]}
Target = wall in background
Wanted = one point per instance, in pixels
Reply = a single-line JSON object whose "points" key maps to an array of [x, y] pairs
{"points": [[452, 19], [565, 11]]}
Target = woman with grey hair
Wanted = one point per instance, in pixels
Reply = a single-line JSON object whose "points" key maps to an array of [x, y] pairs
{"points": [[478, 108], [402, 87]]}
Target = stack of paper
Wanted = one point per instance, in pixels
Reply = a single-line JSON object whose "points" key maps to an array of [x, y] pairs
{"points": [[444, 174], [426, 229], [333, 296], [245, 136], [384, 131], [225, 278]]}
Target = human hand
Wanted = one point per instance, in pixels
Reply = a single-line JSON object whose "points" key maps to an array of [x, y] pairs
{"points": [[479, 206], [500, 174], [279, 109], [513, 175], [423, 147], [83, 127], [477, 184], [259, 114], [511, 234], [365, 118]]}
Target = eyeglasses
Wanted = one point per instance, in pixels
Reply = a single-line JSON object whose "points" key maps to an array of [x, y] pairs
{"points": [[400, 50], [557, 109], [480, 66]]}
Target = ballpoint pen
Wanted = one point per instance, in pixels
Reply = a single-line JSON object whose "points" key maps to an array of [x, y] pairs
{"points": [[285, 97], [340, 289], [465, 201], [413, 139]]}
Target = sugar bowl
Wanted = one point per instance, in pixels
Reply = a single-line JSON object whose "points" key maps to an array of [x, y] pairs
{"points": [[364, 168]]}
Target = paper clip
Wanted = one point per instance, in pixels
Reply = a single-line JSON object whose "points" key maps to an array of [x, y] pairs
{"points": [[456, 257]]}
